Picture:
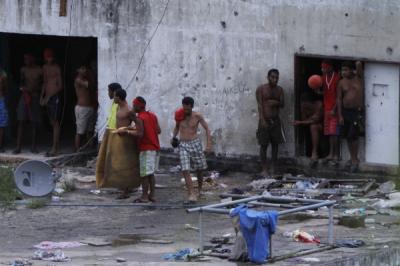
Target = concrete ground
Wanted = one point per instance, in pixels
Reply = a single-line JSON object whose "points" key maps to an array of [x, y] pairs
{"points": [[23, 228]]}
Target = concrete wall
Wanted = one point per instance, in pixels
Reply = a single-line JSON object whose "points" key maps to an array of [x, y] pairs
{"points": [[193, 53]]}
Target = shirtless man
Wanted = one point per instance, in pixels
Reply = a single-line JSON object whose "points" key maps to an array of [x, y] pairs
{"points": [[350, 99], [190, 148], [29, 109], [312, 113], [123, 121], [270, 99], [3, 107], [50, 97], [84, 110]]}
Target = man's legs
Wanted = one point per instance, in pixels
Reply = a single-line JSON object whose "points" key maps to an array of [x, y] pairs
{"points": [[152, 187], [353, 150], [263, 159], [315, 132], [34, 137], [19, 137], [200, 180], [145, 189], [189, 184], [56, 137], [333, 140], [274, 156], [77, 142]]}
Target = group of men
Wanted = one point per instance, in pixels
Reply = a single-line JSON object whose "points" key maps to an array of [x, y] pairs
{"points": [[340, 113], [143, 125], [41, 88]]}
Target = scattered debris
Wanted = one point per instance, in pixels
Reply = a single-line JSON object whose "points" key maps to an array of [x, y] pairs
{"points": [[305, 237], [185, 254], [387, 187], [357, 211], [58, 245], [56, 256], [157, 241], [58, 191], [220, 240], [21, 262], [119, 260], [262, 184], [352, 221], [95, 191], [349, 243], [191, 227], [55, 198], [175, 169], [96, 241]]}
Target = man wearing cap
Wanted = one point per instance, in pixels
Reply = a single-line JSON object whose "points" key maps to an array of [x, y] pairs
{"points": [[330, 79], [190, 147], [147, 130], [29, 109], [52, 86]]}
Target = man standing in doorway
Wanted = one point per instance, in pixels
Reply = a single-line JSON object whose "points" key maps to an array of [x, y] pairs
{"points": [[147, 130], [84, 110], [350, 100], [330, 79], [51, 98], [29, 109], [270, 99], [190, 148]]}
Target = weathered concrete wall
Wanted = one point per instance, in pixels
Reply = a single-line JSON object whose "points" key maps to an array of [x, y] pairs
{"points": [[217, 51]]}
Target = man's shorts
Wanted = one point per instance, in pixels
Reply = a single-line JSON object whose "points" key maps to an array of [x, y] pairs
{"points": [[84, 116], [273, 133], [32, 113], [192, 151], [353, 124], [331, 125], [148, 162], [54, 108], [3, 113]]}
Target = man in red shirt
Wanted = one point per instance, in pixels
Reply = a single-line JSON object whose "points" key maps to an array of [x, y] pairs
{"points": [[330, 79], [147, 130]]}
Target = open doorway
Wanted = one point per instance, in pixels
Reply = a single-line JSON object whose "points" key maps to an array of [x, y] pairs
{"points": [[306, 66], [70, 54]]}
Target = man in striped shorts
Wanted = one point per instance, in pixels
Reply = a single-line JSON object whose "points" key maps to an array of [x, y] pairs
{"points": [[190, 148]]}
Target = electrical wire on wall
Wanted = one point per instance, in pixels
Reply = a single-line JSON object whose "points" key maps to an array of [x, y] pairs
{"points": [[148, 44]]}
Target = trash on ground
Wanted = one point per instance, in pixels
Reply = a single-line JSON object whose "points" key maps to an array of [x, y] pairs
{"points": [[356, 211], [54, 256], [175, 169], [220, 240], [157, 241], [183, 254], [58, 191], [95, 191], [96, 241], [55, 198], [387, 187], [384, 204], [58, 245], [261, 184], [305, 185], [191, 227], [21, 262], [120, 260], [302, 236], [349, 243], [222, 185]]}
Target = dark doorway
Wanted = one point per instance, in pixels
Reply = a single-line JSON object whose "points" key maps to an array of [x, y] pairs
{"points": [[70, 53], [306, 66]]}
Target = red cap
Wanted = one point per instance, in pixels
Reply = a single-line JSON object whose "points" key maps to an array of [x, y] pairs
{"points": [[138, 103], [179, 115]]}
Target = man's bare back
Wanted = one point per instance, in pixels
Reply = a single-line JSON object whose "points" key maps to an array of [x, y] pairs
{"points": [[51, 80], [270, 100], [189, 126], [31, 79], [82, 91]]}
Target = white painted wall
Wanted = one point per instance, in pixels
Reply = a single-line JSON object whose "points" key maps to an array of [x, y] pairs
{"points": [[259, 35]]}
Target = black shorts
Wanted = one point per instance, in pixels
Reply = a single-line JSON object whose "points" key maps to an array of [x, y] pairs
{"points": [[272, 133], [54, 108], [353, 126]]}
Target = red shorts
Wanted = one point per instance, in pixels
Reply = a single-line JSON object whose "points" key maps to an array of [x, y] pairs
{"points": [[331, 125]]}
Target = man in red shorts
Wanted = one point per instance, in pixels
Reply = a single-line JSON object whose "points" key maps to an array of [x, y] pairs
{"points": [[330, 79]]}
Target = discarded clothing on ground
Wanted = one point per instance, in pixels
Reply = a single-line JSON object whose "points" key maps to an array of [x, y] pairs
{"points": [[56, 256], [118, 162], [183, 254], [256, 228], [349, 243], [58, 245]]}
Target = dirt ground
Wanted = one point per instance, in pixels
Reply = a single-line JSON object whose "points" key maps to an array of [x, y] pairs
{"points": [[23, 228]]}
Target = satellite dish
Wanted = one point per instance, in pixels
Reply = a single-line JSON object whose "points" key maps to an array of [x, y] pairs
{"points": [[35, 178]]}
